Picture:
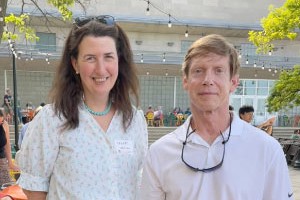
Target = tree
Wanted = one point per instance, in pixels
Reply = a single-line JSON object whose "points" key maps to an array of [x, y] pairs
{"points": [[21, 23], [281, 23], [286, 91]]}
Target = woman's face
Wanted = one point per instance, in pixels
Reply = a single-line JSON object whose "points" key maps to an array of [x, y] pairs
{"points": [[97, 65]]}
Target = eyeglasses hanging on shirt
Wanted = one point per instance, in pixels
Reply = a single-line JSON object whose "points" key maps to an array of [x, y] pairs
{"points": [[190, 153]]}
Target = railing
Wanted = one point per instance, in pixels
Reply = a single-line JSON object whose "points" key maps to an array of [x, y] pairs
{"points": [[150, 57]]}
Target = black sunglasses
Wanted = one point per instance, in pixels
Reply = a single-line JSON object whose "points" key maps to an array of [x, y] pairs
{"points": [[210, 168], [104, 19]]}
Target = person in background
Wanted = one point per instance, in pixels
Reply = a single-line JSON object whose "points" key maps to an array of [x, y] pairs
{"points": [[5, 197], [8, 96], [246, 113], [26, 123], [90, 142], [296, 134], [6, 162], [214, 155], [8, 111], [187, 112]]}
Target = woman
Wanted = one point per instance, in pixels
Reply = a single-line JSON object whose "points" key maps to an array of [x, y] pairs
{"points": [[90, 142], [5, 152]]}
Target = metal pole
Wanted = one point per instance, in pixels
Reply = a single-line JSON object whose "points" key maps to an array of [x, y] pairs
{"points": [[15, 103]]}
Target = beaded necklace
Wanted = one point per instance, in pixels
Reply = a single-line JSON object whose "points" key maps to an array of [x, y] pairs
{"points": [[107, 109]]}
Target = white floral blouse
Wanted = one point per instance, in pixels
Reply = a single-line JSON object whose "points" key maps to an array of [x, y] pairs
{"points": [[86, 162]]}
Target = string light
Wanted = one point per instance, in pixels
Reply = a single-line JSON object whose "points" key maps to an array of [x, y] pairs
{"points": [[270, 52], [148, 9], [263, 66], [240, 53], [169, 23], [164, 57], [47, 59], [142, 58], [186, 32], [254, 65]]}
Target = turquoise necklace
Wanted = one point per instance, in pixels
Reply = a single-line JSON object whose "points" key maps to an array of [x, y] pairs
{"points": [[107, 109]]}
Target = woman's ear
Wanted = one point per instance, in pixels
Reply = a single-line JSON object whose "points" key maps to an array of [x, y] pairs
{"points": [[74, 64]]}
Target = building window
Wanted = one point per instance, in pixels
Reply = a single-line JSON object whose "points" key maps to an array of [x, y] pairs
{"points": [[46, 42]]}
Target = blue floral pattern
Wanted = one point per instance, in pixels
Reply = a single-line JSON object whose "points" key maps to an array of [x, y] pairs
{"points": [[86, 162]]}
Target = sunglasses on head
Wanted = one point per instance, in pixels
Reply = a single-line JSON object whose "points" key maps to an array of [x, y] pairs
{"points": [[104, 19]]}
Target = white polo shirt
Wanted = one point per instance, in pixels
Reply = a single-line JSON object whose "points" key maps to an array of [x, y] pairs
{"points": [[254, 167]]}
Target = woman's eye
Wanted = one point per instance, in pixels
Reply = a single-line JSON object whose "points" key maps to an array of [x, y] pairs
{"points": [[90, 58]]}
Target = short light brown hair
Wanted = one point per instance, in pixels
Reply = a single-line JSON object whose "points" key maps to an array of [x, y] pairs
{"points": [[212, 44]]}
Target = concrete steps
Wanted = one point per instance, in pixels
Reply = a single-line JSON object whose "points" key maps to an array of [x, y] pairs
{"points": [[157, 132], [283, 132]]}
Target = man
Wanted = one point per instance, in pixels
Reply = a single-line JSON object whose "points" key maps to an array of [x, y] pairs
{"points": [[214, 155], [246, 113]]}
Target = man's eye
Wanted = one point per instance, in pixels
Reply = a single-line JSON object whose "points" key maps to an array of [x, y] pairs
{"points": [[198, 71], [219, 70]]}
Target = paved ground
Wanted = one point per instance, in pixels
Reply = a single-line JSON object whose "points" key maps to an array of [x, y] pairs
{"points": [[295, 177]]}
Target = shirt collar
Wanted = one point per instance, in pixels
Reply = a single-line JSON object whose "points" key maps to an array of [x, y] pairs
{"points": [[236, 127]]}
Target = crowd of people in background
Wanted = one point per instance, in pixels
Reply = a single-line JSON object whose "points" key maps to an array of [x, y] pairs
{"points": [[156, 117]]}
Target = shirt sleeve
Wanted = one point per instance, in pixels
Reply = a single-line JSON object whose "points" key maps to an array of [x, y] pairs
{"points": [[150, 188], [39, 151], [278, 184]]}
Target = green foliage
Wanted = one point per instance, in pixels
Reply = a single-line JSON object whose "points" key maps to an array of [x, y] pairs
{"points": [[286, 91], [63, 7], [20, 24], [281, 23]]}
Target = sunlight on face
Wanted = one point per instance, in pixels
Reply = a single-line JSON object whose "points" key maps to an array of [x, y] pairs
{"points": [[208, 82], [97, 65]]}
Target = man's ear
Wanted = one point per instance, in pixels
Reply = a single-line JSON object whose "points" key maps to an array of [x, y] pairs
{"points": [[185, 82], [235, 80]]}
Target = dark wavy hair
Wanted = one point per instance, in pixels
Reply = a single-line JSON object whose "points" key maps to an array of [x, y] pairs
{"points": [[67, 91]]}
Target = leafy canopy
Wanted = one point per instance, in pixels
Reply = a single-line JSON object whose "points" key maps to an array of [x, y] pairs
{"points": [[286, 91], [281, 23], [20, 22]]}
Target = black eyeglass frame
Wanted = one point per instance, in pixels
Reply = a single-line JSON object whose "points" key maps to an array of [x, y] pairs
{"points": [[205, 170], [104, 19]]}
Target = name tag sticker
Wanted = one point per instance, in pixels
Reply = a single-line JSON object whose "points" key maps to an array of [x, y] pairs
{"points": [[124, 146]]}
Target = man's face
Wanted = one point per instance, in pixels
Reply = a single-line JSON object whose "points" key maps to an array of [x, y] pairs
{"points": [[247, 116], [208, 82]]}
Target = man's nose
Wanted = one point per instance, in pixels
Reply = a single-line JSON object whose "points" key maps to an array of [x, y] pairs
{"points": [[208, 78]]}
